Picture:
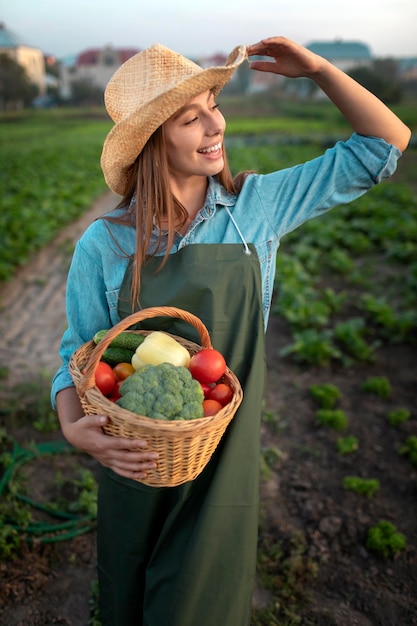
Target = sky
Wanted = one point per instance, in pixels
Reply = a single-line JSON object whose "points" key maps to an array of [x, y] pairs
{"points": [[388, 27]]}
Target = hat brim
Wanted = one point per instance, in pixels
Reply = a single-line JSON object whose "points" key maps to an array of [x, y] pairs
{"points": [[127, 138]]}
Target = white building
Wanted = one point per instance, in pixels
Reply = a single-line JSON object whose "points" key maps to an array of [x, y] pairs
{"points": [[27, 56]]}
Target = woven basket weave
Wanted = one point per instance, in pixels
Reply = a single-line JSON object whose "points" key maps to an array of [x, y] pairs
{"points": [[184, 446]]}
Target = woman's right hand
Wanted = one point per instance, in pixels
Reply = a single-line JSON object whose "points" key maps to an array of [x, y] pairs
{"points": [[127, 457]]}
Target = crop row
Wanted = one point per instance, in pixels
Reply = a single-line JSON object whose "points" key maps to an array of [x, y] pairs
{"points": [[49, 175], [345, 283]]}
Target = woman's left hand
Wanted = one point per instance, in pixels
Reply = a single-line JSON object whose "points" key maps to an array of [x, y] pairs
{"points": [[366, 114], [288, 58]]}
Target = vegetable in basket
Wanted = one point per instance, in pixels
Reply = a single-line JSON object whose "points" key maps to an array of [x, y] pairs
{"points": [[163, 391], [159, 347], [126, 340]]}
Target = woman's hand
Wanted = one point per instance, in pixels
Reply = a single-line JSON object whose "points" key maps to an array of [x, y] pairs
{"points": [[126, 457], [287, 58], [366, 114]]}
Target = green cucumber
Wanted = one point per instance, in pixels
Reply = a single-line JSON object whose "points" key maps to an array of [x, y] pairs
{"points": [[127, 340], [113, 355]]}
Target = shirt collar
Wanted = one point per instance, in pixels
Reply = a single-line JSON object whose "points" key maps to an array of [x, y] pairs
{"points": [[217, 194]]}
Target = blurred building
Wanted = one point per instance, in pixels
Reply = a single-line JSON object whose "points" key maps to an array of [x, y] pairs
{"points": [[345, 55], [27, 56]]}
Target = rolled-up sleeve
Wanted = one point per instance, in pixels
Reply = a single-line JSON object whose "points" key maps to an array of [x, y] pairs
{"points": [[342, 174]]}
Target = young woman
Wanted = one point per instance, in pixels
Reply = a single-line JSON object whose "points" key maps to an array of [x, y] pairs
{"points": [[186, 234]]}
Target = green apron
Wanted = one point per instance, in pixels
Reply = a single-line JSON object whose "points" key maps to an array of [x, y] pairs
{"points": [[186, 556]]}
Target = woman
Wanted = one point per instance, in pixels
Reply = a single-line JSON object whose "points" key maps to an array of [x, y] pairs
{"points": [[186, 234]]}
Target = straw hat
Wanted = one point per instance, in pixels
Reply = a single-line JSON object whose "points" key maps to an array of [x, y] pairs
{"points": [[143, 93]]}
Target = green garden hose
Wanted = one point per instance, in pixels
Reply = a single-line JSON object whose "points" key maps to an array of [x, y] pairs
{"points": [[71, 524]]}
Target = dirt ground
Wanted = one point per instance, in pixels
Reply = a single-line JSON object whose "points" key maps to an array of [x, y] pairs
{"points": [[312, 544]]}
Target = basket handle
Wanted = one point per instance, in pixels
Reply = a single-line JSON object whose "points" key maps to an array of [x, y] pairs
{"points": [[88, 382]]}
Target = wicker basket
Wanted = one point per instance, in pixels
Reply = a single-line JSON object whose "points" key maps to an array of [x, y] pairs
{"points": [[184, 446]]}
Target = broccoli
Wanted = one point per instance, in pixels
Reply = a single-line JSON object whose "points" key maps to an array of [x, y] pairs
{"points": [[162, 391]]}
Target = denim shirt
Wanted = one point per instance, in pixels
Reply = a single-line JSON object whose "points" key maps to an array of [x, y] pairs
{"points": [[267, 208]]}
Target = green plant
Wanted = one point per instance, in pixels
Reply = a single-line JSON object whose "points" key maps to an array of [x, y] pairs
{"points": [[313, 347], [81, 493], [398, 416], [379, 385], [394, 326], [351, 334], [326, 394], [13, 516], [366, 486], [284, 568], [340, 261], [64, 152], [9, 542], [410, 449], [94, 605], [269, 458], [347, 445], [385, 540], [334, 418]]}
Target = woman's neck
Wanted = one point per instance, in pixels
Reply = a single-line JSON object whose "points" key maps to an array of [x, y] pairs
{"points": [[191, 194]]}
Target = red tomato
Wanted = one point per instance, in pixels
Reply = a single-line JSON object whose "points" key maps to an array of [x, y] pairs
{"points": [[105, 378], [207, 365], [221, 392], [115, 394], [123, 370], [206, 389], [211, 407]]}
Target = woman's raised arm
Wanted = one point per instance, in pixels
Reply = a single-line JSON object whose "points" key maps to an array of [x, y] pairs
{"points": [[364, 111]]}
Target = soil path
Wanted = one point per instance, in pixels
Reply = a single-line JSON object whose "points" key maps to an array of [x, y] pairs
{"points": [[32, 303]]}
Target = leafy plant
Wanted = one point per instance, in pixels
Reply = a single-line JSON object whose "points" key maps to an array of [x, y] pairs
{"points": [[394, 326], [334, 418], [410, 449], [9, 542], [94, 605], [83, 492], [313, 347], [365, 486], [13, 515], [347, 445], [326, 394], [340, 261], [284, 568], [398, 416], [351, 334], [379, 385], [385, 540]]}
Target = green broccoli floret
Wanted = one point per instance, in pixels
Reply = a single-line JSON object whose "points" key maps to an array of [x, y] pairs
{"points": [[162, 391]]}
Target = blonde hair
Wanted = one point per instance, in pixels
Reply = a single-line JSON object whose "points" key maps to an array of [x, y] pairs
{"points": [[148, 183]]}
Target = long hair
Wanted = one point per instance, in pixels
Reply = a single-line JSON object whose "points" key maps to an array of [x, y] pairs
{"points": [[148, 183]]}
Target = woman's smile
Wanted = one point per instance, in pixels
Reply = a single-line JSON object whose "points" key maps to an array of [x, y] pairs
{"points": [[212, 150]]}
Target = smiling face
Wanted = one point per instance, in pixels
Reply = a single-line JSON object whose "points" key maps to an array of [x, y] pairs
{"points": [[194, 139]]}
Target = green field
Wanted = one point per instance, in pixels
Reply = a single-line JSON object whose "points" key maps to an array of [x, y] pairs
{"points": [[345, 292], [50, 170]]}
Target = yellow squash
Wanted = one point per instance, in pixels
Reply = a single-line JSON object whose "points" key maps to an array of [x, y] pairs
{"points": [[159, 347]]}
